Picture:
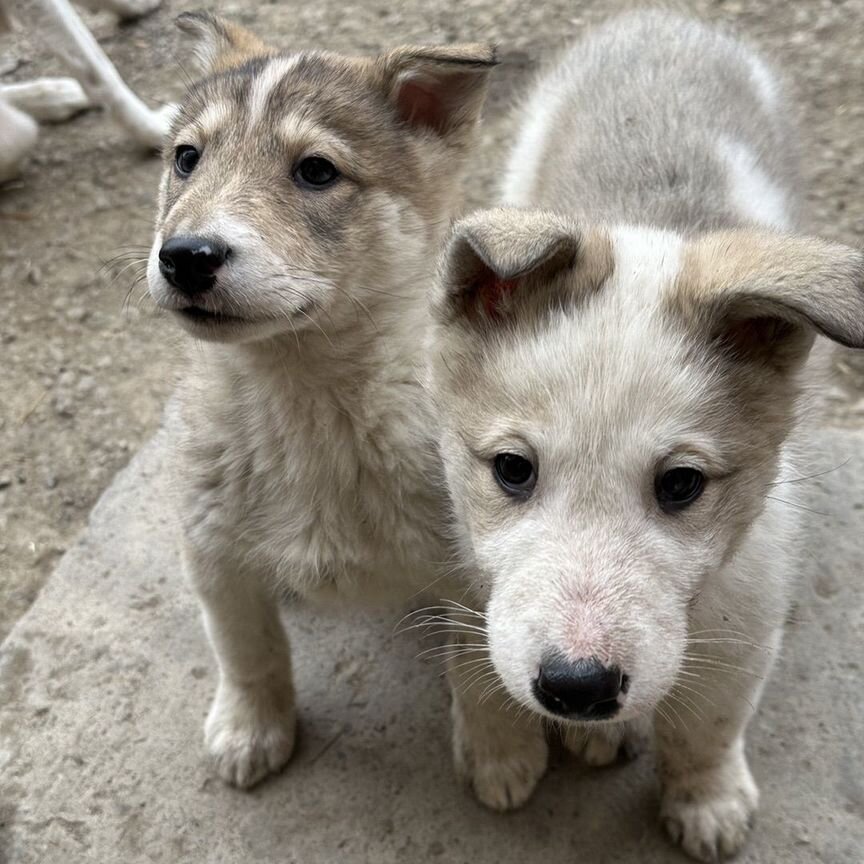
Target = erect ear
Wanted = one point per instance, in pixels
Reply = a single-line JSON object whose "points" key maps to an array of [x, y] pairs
{"points": [[219, 44], [489, 256], [763, 296], [440, 88]]}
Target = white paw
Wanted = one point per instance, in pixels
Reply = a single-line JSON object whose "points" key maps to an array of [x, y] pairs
{"points": [[50, 100], [602, 750], [503, 767], [710, 817], [130, 9], [250, 730], [507, 783], [601, 746]]}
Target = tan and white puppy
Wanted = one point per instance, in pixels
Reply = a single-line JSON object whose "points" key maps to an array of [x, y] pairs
{"points": [[302, 208], [622, 370]]}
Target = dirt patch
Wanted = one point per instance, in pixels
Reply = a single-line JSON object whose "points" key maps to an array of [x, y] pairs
{"points": [[84, 371]]}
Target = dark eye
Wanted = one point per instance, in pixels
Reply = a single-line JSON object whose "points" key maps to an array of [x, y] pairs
{"points": [[315, 172], [515, 474], [678, 488], [185, 159]]}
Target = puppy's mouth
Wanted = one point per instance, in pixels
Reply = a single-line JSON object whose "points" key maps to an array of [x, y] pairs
{"points": [[200, 315]]}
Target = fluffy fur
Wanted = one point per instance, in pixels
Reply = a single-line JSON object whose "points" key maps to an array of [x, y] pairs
{"points": [[306, 454], [643, 315]]}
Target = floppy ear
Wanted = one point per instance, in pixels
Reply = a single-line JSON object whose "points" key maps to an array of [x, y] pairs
{"points": [[489, 255], [440, 89], [763, 296], [219, 44]]}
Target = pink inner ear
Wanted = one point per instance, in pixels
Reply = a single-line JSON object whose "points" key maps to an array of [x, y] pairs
{"points": [[492, 291], [420, 105]]}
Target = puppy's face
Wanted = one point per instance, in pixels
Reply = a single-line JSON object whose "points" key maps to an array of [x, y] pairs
{"points": [[296, 186], [614, 407]]}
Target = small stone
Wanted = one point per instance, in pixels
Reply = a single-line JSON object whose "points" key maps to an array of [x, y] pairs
{"points": [[86, 384], [66, 378], [64, 405], [34, 275], [101, 203], [5, 481], [77, 314]]}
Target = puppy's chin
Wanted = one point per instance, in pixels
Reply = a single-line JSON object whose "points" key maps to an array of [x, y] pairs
{"points": [[226, 329]]}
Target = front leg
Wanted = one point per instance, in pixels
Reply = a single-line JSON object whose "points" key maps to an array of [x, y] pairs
{"points": [[500, 751], [709, 795], [250, 729]]}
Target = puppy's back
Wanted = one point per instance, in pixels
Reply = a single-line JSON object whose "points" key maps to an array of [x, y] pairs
{"points": [[657, 119]]}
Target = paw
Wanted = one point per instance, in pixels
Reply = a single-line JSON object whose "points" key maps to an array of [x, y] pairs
{"points": [[710, 816], [504, 766], [128, 10], [250, 731], [49, 100], [507, 783], [601, 746]]}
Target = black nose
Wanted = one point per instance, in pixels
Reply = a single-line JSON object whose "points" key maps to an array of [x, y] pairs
{"points": [[584, 688], [190, 263]]}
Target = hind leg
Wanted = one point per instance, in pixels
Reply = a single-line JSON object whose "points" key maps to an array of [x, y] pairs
{"points": [[18, 134], [127, 10], [50, 100], [607, 743]]}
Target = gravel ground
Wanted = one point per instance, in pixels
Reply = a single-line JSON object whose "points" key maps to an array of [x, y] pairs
{"points": [[85, 365]]}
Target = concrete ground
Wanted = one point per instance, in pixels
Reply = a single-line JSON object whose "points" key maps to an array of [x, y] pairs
{"points": [[105, 677], [104, 684]]}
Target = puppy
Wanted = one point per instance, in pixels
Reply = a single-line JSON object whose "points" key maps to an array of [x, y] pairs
{"points": [[53, 99], [622, 371], [303, 204]]}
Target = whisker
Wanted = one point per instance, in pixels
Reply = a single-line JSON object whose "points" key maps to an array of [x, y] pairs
{"points": [[797, 506], [802, 479]]}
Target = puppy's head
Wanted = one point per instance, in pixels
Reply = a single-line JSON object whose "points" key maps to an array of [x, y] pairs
{"points": [[614, 403], [296, 183]]}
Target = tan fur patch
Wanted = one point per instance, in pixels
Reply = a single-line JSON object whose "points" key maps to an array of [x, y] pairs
{"points": [[750, 275], [220, 44]]}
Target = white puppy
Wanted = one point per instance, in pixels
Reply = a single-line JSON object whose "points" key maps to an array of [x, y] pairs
{"points": [[621, 373], [96, 80]]}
